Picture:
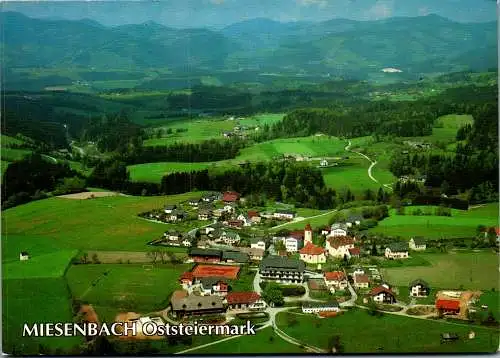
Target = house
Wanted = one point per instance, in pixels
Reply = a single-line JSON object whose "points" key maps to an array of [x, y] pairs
{"points": [[218, 212], [308, 234], [205, 255], [284, 215], [255, 254], [23, 256], [229, 208], [176, 215], [211, 197], [245, 300], [213, 286], [358, 271], [228, 134], [236, 224], [316, 307], [383, 294], [211, 228], [419, 288], [169, 208], [258, 243], [282, 269], [339, 246], [355, 252], [448, 306], [254, 216], [192, 305], [354, 220], [417, 243], [396, 250], [312, 254], [450, 337], [338, 232], [172, 235], [203, 244], [245, 220], [186, 279], [186, 242], [230, 197], [335, 280], [361, 281], [267, 215], [293, 244], [194, 202], [325, 231], [204, 214], [235, 257], [323, 163], [230, 238]]}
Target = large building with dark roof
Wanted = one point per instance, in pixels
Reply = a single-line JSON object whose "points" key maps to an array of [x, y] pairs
{"points": [[282, 269]]}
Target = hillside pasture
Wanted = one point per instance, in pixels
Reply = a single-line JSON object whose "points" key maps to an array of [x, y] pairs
{"points": [[472, 270], [462, 223], [351, 173], [154, 172], [11, 154], [38, 266], [387, 334], [261, 119], [108, 223]]}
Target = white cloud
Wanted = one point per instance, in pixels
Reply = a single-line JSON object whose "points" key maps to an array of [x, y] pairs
{"points": [[382, 9], [423, 11]]}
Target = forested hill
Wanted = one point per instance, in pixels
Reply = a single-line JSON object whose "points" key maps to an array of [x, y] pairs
{"points": [[416, 45]]}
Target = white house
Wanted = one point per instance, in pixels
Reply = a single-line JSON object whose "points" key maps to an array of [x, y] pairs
{"points": [[172, 235], [338, 232], [186, 243], [312, 254], [246, 221], [169, 208], [316, 307], [323, 163], [419, 288], [339, 246], [204, 214], [292, 244], [417, 243], [396, 250], [284, 215], [23, 256], [258, 243]]}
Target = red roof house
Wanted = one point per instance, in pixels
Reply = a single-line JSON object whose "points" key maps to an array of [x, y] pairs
{"points": [[241, 299], [311, 249], [231, 197], [299, 235], [339, 241], [334, 276], [252, 213], [448, 305], [355, 251], [187, 278]]}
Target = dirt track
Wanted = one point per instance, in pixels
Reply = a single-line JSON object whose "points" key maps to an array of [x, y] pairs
{"points": [[89, 195]]}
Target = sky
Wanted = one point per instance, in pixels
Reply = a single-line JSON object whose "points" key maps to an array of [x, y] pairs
{"points": [[220, 13]]}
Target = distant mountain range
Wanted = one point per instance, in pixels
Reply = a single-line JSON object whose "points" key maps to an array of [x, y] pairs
{"points": [[414, 45]]}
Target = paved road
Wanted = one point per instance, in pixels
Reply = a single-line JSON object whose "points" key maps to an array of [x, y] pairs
{"points": [[352, 301], [51, 158]]}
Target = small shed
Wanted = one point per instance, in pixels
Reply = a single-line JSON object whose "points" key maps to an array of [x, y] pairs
{"points": [[23, 256]]}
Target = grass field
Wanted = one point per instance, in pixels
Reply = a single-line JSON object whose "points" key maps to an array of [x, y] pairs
{"points": [[261, 119], [7, 141], [353, 173], [472, 270], [265, 341], [153, 172], [11, 154], [386, 334], [48, 265], [107, 223], [130, 287], [461, 224]]}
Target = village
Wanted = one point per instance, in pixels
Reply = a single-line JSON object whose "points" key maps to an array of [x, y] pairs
{"points": [[324, 271]]}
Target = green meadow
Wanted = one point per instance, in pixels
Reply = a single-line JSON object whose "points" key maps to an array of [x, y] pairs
{"points": [[39, 266], [462, 223], [472, 270], [106, 223], [126, 287], [387, 334]]}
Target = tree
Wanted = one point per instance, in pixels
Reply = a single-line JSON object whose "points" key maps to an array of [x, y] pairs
{"points": [[95, 259], [85, 258], [273, 295], [153, 255], [279, 246]]}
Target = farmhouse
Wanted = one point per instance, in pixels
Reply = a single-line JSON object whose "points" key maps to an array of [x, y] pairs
{"points": [[323, 163], [235, 224], [383, 294], [335, 280], [172, 235], [23, 256], [254, 216], [396, 250], [419, 288], [254, 253], [186, 279], [361, 281], [257, 243], [312, 254], [205, 255], [244, 300], [229, 208], [282, 269], [284, 215], [194, 202], [235, 257], [339, 246], [230, 238], [169, 208], [230, 197], [196, 305], [204, 214], [448, 306], [417, 243], [176, 215], [355, 252], [245, 220], [210, 197], [213, 286], [316, 307]]}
